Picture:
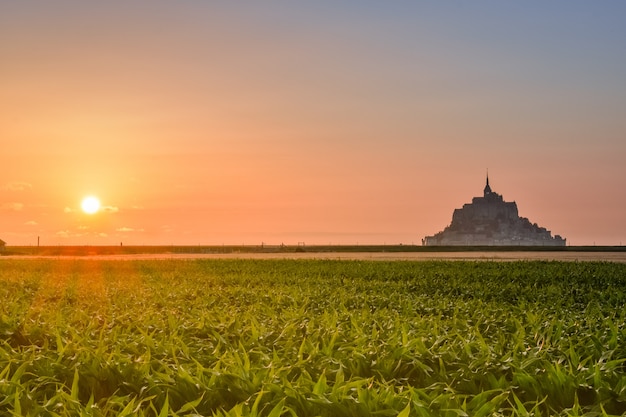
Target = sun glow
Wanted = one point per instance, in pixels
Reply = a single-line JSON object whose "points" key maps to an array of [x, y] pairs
{"points": [[90, 205]]}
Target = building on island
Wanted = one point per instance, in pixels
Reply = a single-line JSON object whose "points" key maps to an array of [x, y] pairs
{"points": [[491, 221]]}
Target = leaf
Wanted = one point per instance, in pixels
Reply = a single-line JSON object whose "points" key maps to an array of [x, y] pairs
{"points": [[521, 409], [60, 345], [90, 402], [320, 385], [19, 372], [257, 401], [191, 405], [128, 410], [17, 405], [490, 406], [74, 392], [278, 409], [166, 406], [406, 411]]}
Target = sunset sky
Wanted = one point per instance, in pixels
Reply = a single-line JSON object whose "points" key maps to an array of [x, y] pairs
{"points": [[369, 122]]}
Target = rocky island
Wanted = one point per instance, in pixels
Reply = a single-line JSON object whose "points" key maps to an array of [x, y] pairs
{"points": [[491, 221]]}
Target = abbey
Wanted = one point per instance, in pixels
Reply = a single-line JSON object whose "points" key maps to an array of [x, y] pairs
{"points": [[491, 221]]}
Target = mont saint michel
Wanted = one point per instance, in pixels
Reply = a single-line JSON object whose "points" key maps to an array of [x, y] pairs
{"points": [[491, 221]]}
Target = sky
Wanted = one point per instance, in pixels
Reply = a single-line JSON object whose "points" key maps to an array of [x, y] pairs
{"points": [[353, 122]]}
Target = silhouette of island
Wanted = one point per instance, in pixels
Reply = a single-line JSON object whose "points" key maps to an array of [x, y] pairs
{"points": [[491, 221]]}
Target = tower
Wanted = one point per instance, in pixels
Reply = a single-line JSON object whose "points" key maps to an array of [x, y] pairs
{"points": [[487, 189]]}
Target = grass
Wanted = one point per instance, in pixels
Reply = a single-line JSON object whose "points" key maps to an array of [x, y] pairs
{"points": [[311, 338]]}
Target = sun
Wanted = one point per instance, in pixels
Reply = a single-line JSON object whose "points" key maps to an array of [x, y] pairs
{"points": [[90, 205]]}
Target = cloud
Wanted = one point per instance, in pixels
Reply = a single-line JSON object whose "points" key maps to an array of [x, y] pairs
{"points": [[128, 229], [17, 186], [64, 233], [31, 223], [68, 234], [105, 209], [12, 206]]}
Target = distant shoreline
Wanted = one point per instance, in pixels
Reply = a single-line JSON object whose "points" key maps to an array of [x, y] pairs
{"points": [[348, 252]]}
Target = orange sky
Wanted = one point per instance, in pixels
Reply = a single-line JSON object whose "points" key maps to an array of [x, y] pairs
{"points": [[365, 122]]}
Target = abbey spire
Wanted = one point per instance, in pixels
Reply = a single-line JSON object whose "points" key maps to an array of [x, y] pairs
{"points": [[487, 189]]}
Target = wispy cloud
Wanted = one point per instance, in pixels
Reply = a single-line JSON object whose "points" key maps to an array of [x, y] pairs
{"points": [[128, 229], [12, 206], [82, 232], [65, 234], [105, 209], [17, 186], [31, 223]]}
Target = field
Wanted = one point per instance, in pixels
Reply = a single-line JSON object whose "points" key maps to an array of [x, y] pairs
{"points": [[250, 337]]}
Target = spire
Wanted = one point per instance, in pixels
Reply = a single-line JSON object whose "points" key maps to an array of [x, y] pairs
{"points": [[487, 189]]}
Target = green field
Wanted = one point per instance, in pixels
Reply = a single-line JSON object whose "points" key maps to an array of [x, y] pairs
{"points": [[311, 338]]}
